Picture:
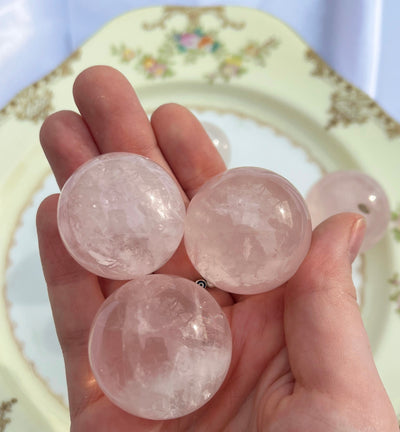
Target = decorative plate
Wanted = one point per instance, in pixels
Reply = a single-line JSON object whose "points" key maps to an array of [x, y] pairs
{"points": [[281, 106]]}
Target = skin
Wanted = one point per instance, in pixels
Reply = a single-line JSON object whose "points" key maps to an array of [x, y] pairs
{"points": [[301, 356]]}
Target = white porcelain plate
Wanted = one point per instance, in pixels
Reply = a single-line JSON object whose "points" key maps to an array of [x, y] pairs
{"points": [[281, 107]]}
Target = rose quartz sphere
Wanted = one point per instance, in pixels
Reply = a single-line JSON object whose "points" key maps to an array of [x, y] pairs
{"points": [[247, 230], [219, 139], [121, 215], [160, 347], [351, 191]]}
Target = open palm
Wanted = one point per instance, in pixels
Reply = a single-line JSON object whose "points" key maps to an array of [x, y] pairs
{"points": [[301, 359]]}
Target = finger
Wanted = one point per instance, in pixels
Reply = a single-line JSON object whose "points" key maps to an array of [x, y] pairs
{"points": [[186, 146], [193, 159], [327, 343], [114, 115], [67, 143], [75, 297]]}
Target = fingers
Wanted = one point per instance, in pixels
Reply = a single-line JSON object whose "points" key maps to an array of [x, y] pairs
{"points": [[75, 297], [186, 146], [67, 143], [193, 159], [114, 115], [327, 343], [112, 119]]}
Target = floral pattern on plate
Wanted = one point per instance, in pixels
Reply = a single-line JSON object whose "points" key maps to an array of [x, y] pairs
{"points": [[192, 44]]}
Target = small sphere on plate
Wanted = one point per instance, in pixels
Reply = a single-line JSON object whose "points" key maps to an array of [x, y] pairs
{"points": [[160, 347], [247, 230], [351, 191], [220, 140], [121, 215]]}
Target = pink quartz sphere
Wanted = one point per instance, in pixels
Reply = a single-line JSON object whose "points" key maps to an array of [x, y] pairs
{"points": [[160, 347], [121, 215], [351, 191], [219, 139], [247, 230]]}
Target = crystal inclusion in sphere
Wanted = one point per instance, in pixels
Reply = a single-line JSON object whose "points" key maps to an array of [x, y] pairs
{"points": [[121, 215], [247, 230], [351, 191], [160, 347]]}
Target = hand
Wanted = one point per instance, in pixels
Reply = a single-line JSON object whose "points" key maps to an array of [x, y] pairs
{"points": [[301, 358]]}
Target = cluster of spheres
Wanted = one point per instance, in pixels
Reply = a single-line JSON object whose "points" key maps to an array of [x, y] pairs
{"points": [[160, 346]]}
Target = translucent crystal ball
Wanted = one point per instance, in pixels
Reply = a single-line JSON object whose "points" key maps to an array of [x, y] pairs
{"points": [[219, 139], [247, 230], [160, 347], [351, 191], [121, 215]]}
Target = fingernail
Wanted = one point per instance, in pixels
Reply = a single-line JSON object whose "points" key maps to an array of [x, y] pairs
{"points": [[356, 238]]}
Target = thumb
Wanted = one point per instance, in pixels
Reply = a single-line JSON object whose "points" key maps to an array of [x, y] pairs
{"points": [[327, 344]]}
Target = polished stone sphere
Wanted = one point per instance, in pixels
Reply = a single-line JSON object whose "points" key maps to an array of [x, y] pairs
{"points": [[160, 347], [219, 139], [351, 191], [247, 230], [121, 215]]}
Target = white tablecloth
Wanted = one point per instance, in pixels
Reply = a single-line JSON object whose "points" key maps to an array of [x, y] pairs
{"points": [[359, 38]]}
